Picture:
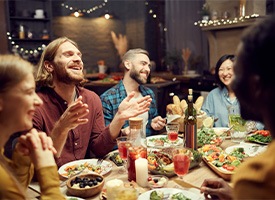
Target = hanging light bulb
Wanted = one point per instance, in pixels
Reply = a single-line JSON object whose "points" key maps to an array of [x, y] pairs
{"points": [[77, 13], [107, 16]]}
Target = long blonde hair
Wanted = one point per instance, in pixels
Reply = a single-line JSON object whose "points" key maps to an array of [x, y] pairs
{"points": [[43, 77], [13, 69]]}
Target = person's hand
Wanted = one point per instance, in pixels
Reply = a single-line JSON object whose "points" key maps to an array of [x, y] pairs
{"points": [[34, 140], [74, 115], [38, 146], [158, 123], [216, 188], [129, 109]]}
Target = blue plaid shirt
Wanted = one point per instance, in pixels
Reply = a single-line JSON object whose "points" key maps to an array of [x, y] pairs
{"points": [[112, 98]]}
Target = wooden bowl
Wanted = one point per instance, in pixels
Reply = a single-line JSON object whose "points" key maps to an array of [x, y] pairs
{"points": [[81, 186]]}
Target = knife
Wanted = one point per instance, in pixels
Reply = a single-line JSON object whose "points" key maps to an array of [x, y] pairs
{"points": [[186, 185]]}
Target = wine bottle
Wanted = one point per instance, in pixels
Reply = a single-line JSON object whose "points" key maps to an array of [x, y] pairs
{"points": [[190, 123]]}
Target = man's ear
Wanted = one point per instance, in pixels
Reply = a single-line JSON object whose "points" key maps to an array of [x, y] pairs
{"points": [[127, 64], [48, 66]]}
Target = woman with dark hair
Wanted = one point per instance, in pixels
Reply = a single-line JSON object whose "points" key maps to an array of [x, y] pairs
{"points": [[221, 99]]}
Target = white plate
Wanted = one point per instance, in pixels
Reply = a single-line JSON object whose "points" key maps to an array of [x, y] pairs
{"points": [[105, 165], [150, 141], [170, 191], [249, 149]]}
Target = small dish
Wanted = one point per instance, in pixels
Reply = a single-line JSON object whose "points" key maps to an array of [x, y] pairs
{"points": [[157, 181], [85, 185]]}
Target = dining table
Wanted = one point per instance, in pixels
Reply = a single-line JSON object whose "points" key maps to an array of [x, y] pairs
{"points": [[195, 176]]}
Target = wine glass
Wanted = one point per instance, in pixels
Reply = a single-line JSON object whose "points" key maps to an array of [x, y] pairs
{"points": [[172, 129], [123, 144], [181, 160]]}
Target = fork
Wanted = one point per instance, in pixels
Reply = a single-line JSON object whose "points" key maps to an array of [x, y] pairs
{"points": [[63, 183], [99, 161]]}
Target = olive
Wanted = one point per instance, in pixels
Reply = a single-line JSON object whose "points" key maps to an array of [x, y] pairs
{"points": [[156, 180], [72, 182], [95, 182], [99, 179], [90, 183], [81, 185], [77, 180], [86, 179]]}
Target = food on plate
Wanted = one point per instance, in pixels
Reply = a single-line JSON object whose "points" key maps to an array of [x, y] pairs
{"points": [[260, 136], [156, 195], [73, 169], [160, 162], [157, 181], [115, 157], [159, 195], [178, 196], [161, 141], [208, 136], [219, 158]]}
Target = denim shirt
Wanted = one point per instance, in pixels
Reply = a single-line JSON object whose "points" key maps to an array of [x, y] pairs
{"points": [[217, 103]]}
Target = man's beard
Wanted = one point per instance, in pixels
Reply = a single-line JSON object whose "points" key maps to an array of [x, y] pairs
{"points": [[134, 74], [67, 76]]}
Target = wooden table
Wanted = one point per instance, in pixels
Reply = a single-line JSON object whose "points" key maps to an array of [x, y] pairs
{"points": [[195, 176]]}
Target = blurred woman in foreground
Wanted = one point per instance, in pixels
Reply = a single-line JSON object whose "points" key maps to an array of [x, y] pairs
{"points": [[254, 86], [34, 150]]}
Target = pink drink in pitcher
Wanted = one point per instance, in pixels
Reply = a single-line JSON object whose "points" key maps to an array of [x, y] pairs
{"points": [[133, 154]]}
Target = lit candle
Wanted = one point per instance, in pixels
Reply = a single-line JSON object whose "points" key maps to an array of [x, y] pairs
{"points": [[141, 165]]}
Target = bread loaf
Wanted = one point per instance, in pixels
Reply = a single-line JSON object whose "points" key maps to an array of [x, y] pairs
{"points": [[176, 100], [198, 103], [173, 109], [183, 105]]}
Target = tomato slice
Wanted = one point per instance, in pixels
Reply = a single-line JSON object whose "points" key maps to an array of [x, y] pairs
{"points": [[263, 132], [228, 167]]}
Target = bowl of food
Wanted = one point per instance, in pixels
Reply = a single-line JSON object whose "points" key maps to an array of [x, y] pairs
{"points": [[157, 181], [85, 185]]}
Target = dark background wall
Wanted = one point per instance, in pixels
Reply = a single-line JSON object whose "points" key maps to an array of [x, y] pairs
{"points": [[93, 33]]}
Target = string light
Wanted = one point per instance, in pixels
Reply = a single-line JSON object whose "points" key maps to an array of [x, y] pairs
{"points": [[16, 49], [87, 11], [152, 13], [206, 23]]}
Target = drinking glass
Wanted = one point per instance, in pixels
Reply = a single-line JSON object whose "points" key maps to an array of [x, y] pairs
{"points": [[123, 144], [172, 129], [181, 159], [238, 124]]}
